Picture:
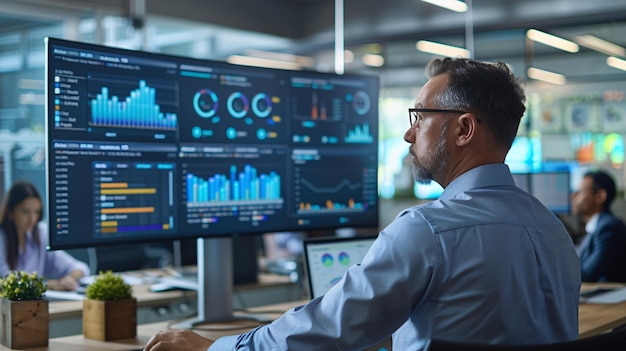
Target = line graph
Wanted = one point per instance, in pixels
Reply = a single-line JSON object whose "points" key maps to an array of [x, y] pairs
{"points": [[332, 190], [326, 192]]}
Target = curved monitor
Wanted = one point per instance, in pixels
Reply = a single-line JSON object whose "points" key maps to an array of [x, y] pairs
{"points": [[144, 146]]}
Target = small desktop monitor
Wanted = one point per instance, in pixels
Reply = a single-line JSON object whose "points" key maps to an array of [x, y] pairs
{"points": [[149, 147], [552, 189]]}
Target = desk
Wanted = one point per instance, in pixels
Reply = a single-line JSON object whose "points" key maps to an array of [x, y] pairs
{"points": [[145, 331], [66, 316], [594, 319]]}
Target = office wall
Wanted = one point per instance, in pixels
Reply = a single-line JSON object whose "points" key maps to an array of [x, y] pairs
{"points": [[22, 111]]}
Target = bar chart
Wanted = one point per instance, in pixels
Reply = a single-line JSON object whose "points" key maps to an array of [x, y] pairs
{"points": [[136, 197], [245, 185], [360, 134], [138, 110]]}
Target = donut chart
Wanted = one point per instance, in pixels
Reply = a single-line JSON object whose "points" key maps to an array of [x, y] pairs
{"points": [[237, 105], [261, 105], [361, 103], [242, 115], [205, 103]]}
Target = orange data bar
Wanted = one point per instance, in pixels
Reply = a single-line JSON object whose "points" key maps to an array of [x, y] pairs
{"points": [[113, 185], [109, 230], [127, 210], [136, 191], [109, 224]]}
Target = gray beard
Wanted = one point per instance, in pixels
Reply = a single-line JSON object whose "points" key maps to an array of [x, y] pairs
{"points": [[436, 161]]}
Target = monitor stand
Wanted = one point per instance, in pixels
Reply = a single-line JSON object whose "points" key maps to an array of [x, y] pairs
{"points": [[215, 285]]}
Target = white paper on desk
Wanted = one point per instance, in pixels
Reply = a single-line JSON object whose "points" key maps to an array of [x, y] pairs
{"points": [[64, 295], [613, 296], [129, 279]]}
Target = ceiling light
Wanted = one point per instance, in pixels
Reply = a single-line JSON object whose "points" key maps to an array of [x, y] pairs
{"points": [[373, 60], [616, 63], [262, 62], [277, 56], [454, 5], [600, 45], [552, 40], [546, 76], [348, 56], [441, 49]]}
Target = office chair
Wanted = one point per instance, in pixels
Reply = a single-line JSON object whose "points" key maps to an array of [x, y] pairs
{"points": [[611, 341]]}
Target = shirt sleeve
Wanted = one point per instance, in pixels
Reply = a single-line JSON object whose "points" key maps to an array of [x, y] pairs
{"points": [[58, 263], [225, 343], [392, 279]]}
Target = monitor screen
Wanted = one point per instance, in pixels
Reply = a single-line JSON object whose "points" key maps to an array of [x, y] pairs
{"points": [[327, 259], [145, 146], [552, 189]]}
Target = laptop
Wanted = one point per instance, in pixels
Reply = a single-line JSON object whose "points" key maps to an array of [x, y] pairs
{"points": [[326, 259]]}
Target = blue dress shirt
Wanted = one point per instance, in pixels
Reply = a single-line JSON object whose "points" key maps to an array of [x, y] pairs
{"points": [[485, 263]]}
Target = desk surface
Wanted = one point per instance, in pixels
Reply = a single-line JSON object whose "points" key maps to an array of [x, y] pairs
{"points": [[147, 298], [145, 331], [593, 319]]}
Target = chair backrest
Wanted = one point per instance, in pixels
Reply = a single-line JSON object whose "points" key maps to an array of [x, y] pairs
{"points": [[611, 341]]}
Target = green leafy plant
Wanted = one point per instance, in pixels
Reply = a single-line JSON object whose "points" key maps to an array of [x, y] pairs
{"points": [[108, 287], [22, 286]]}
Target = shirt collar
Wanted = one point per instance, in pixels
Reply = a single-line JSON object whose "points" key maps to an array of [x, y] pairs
{"points": [[592, 223], [481, 176]]}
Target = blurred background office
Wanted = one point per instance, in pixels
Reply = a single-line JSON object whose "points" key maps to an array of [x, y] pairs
{"points": [[573, 57]]}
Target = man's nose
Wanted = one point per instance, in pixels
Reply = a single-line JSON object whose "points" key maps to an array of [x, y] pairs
{"points": [[409, 135]]}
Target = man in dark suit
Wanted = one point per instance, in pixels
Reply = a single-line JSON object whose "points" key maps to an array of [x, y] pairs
{"points": [[603, 249]]}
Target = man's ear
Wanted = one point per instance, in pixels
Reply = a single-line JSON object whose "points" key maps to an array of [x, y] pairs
{"points": [[466, 128], [600, 196]]}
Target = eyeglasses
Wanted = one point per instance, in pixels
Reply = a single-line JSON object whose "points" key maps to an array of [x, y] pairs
{"points": [[414, 113]]}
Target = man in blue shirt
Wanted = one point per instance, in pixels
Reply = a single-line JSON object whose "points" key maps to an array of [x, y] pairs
{"points": [[485, 263]]}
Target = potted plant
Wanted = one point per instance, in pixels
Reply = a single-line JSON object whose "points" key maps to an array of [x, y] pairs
{"points": [[24, 311], [109, 310]]}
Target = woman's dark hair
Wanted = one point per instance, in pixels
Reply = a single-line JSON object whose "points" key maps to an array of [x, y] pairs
{"points": [[489, 91], [603, 180], [19, 192]]}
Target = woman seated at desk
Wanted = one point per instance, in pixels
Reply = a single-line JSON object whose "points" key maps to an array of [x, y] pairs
{"points": [[24, 238]]}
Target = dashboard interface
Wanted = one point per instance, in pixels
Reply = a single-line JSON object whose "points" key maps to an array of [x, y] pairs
{"points": [[144, 146]]}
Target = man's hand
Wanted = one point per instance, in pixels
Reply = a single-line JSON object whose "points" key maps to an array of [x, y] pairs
{"points": [[175, 340]]}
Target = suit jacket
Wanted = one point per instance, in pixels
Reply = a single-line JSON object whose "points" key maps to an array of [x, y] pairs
{"points": [[604, 256]]}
